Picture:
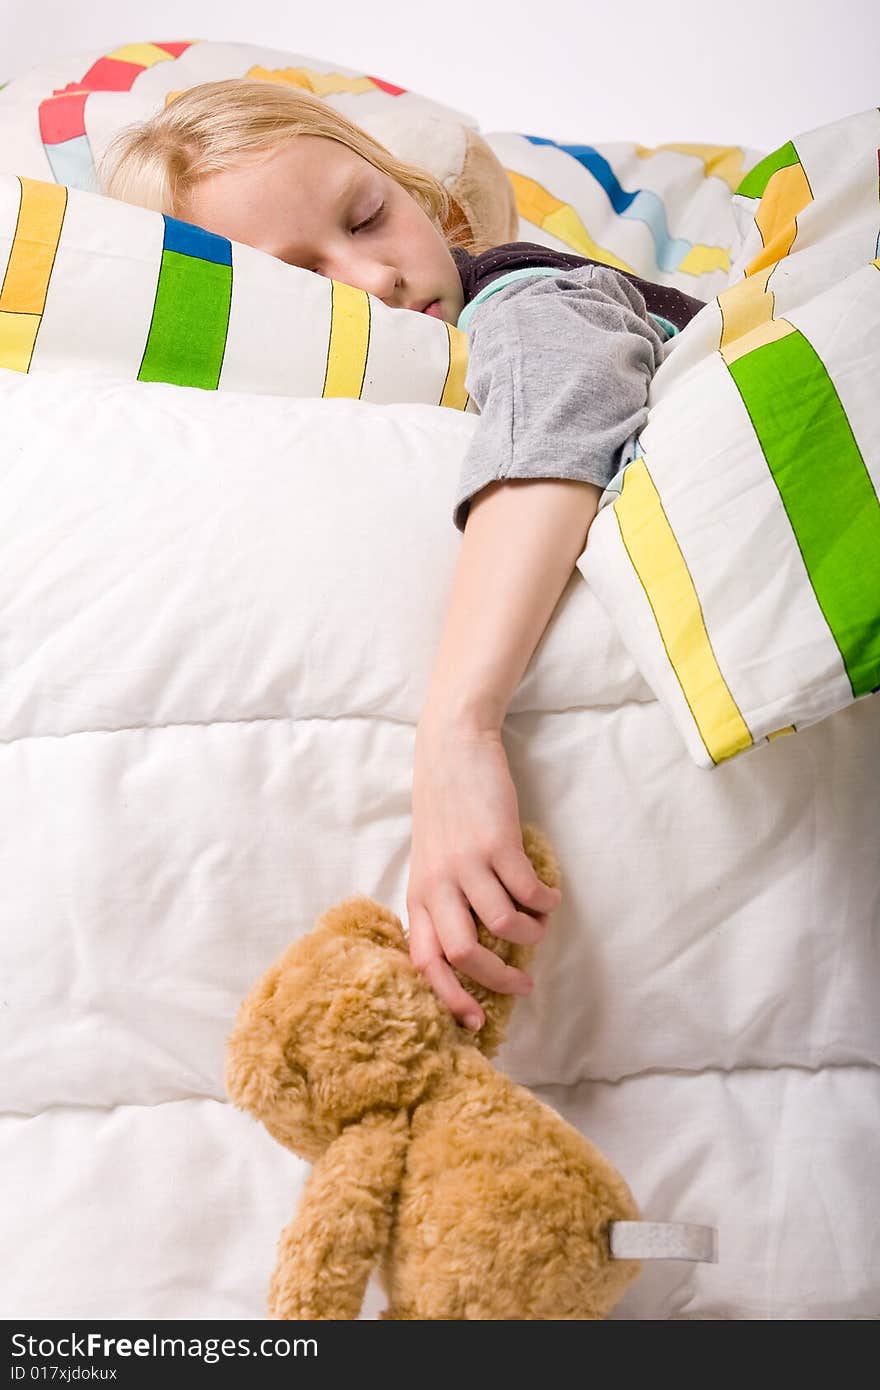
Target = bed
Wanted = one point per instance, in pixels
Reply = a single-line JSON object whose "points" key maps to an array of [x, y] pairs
{"points": [[219, 612]]}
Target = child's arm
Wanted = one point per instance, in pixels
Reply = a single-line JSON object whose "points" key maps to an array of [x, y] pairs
{"points": [[520, 546], [560, 368]]}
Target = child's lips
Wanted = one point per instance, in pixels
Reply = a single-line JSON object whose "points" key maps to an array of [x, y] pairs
{"points": [[433, 309]]}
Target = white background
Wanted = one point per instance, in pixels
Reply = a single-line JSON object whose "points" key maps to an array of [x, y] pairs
{"points": [[755, 73]]}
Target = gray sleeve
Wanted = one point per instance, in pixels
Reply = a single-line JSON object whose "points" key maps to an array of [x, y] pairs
{"points": [[559, 368]]}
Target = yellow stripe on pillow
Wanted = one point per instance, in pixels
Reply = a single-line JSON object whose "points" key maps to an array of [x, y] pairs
{"points": [[29, 270], [454, 393], [657, 560], [142, 55], [769, 332], [349, 341], [35, 242], [787, 193]]}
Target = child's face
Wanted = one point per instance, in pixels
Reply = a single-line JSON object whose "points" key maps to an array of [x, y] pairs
{"points": [[306, 202]]}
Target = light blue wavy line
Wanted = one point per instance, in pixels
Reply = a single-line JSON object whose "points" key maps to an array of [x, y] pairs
{"points": [[641, 206]]}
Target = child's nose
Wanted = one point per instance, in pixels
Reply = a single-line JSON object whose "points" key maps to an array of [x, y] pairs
{"points": [[373, 276]]}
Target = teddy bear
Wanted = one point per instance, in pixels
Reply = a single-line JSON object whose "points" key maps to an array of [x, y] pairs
{"points": [[471, 1198]]}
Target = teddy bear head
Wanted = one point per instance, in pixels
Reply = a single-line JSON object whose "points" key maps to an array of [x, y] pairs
{"points": [[339, 1026]]}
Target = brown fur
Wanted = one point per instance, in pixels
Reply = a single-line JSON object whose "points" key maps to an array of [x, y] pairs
{"points": [[484, 195], [472, 1198]]}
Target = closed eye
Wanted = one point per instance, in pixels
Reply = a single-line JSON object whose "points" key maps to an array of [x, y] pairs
{"points": [[376, 215]]}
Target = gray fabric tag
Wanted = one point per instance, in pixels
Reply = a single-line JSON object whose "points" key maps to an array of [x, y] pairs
{"points": [[663, 1240]]}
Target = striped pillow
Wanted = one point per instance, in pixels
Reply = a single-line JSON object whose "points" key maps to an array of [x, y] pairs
{"points": [[739, 552], [663, 213], [57, 119], [91, 282]]}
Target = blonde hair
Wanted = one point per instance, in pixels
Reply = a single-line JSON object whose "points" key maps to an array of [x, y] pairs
{"points": [[208, 128]]}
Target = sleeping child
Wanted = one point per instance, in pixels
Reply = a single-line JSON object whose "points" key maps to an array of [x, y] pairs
{"points": [[561, 354]]}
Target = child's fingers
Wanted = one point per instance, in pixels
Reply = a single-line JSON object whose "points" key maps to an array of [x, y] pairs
{"points": [[452, 921], [522, 928], [492, 904], [517, 873], [442, 935], [449, 991], [427, 957]]}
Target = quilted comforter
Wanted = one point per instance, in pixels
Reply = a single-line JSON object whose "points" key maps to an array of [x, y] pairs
{"points": [[213, 662]]}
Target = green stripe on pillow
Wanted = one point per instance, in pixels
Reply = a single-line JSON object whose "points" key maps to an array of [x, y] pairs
{"points": [[825, 488], [187, 337], [757, 179]]}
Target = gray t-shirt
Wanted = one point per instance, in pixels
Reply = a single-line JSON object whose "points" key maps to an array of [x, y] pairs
{"points": [[559, 368]]}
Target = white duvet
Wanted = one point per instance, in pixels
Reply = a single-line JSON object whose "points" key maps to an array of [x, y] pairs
{"points": [[219, 614]]}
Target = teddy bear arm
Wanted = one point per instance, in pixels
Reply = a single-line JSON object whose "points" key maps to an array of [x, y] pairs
{"points": [[342, 1225]]}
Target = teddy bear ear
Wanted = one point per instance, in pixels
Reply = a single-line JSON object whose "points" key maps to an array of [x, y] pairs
{"points": [[485, 195], [360, 916], [255, 1062]]}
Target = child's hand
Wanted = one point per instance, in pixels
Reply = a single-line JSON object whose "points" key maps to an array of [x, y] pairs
{"points": [[467, 853]]}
